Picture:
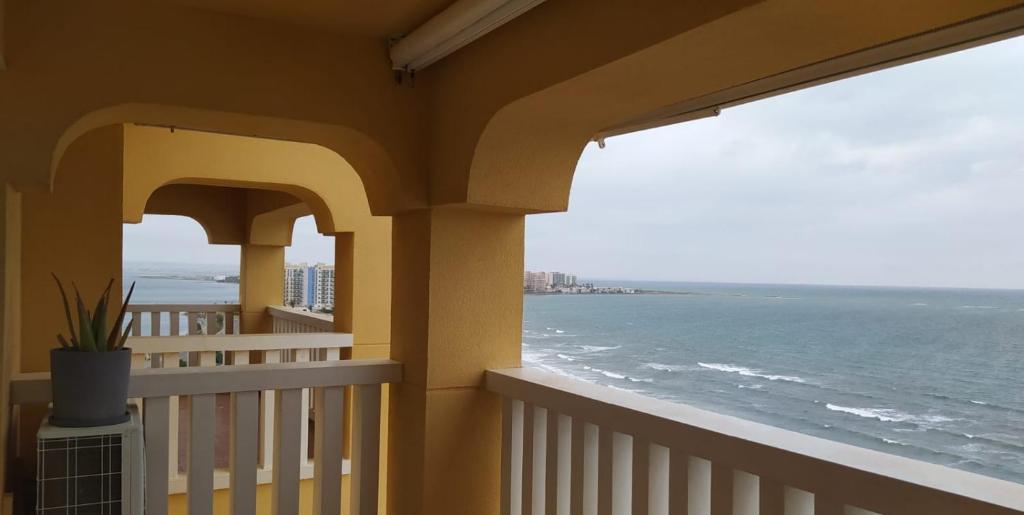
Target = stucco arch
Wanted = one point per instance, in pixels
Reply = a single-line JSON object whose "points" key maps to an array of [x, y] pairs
{"points": [[155, 157], [377, 173], [232, 215], [526, 154]]}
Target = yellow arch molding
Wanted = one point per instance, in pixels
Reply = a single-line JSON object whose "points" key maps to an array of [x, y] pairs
{"points": [[155, 157], [375, 172]]}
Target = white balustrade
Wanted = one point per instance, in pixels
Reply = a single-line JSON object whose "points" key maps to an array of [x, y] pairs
{"points": [[166, 319], [244, 383], [290, 321], [575, 448], [172, 352]]}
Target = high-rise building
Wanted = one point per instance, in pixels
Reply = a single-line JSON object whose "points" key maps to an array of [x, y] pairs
{"points": [[294, 285], [557, 279], [309, 286], [536, 281], [570, 279], [321, 292]]}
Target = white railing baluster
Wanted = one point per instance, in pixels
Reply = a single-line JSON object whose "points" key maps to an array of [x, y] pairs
{"points": [[529, 414], [744, 493], [622, 473], [171, 360], [243, 452], [302, 356], [366, 450], [267, 412], [156, 427], [798, 502], [327, 445], [659, 480], [202, 412], [285, 491]]}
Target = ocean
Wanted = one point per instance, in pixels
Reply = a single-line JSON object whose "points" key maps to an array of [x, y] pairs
{"points": [[930, 374]]}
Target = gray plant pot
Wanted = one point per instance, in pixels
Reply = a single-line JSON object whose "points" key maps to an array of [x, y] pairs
{"points": [[90, 388]]}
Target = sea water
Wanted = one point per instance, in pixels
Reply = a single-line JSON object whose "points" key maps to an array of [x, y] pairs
{"points": [[931, 374]]}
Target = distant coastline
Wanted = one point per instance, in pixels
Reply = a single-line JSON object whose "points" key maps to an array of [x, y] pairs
{"points": [[610, 290]]}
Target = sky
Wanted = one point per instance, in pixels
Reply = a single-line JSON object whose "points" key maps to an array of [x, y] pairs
{"points": [[912, 176]]}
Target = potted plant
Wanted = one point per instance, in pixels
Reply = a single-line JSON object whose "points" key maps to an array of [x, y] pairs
{"points": [[89, 372]]}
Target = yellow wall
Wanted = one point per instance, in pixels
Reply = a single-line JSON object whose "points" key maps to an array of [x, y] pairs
{"points": [[10, 318], [74, 232]]}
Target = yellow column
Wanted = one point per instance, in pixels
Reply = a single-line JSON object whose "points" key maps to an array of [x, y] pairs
{"points": [[456, 311], [261, 284]]}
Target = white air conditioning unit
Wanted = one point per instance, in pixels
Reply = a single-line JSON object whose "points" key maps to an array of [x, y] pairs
{"points": [[91, 469]]}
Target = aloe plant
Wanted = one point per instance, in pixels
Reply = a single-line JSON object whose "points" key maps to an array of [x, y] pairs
{"points": [[92, 334]]}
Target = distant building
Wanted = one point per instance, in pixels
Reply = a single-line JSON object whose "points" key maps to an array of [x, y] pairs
{"points": [[295, 285], [309, 286], [535, 281], [548, 281], [557, 279]]}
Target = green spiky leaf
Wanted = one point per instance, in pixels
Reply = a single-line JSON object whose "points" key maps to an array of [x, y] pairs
{"points": [[67, 311], [63, 342], [86, 334], [99, 319], [112, 340], [124, 338]]}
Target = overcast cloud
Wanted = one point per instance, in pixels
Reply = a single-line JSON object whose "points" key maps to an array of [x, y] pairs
{"points": [[910, 176]]}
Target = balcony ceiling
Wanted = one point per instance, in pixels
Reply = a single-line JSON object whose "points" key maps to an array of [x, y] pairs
{"points": [[371, 18]]}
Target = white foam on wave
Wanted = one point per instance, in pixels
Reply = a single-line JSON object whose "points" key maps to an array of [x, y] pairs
{"points": [[565, 357], [889, 415], [978, 307], [980, 403], [750, 372], [893, 442], [616, 375], [751, 387], [661, 367], [919, 304], [598, 348], [559, 331]]}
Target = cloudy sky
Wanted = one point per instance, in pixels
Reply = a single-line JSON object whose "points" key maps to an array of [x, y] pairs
{"points": [[910, 176]]}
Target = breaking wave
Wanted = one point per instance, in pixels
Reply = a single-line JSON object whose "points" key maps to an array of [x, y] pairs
{"points": [[889, 415], [750, 372]]}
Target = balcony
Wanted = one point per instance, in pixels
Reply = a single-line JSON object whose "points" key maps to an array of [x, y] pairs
{"points": [[244, 116]]}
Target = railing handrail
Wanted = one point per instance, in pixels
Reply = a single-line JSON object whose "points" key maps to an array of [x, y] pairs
{"points": [[34, 388], [237, 342], [183, 308], [869, 479], [317, 320]]}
